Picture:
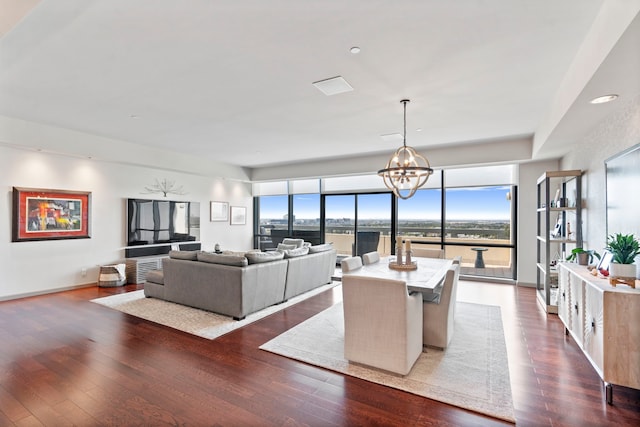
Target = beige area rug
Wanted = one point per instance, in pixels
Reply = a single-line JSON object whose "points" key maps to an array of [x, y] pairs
{"points": [[192, 320], [473, 373]]}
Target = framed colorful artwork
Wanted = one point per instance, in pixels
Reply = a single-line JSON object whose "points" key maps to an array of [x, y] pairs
{"points": [[42, 214]]}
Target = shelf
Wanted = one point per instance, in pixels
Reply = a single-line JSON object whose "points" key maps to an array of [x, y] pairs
{"points": [[554, 240], [542, 267], [564, 221], [568, 209]]}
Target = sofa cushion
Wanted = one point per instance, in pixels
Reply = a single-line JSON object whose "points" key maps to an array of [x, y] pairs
{"points": [[258, 257], [235, 260], [235, 253], [292, 253], [188, 255], [284, 247], [297, 242], [320, 248]]}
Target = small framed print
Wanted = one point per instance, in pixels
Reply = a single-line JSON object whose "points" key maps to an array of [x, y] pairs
{"points": [[238, 215], [219, 211]]}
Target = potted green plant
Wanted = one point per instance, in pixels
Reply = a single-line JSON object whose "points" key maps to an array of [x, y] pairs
{"points": [[624, 248], [583, 256]]}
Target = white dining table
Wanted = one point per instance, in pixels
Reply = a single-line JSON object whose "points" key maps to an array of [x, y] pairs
{"points": [[425, 279]]}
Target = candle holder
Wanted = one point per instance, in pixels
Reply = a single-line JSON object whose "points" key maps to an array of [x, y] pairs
{"points": [[403, 267]]}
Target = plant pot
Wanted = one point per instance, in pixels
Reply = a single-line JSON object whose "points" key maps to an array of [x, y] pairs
{"points": [[623, 271], [583, 258]]}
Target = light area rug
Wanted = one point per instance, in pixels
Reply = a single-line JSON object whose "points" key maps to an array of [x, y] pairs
{"points": [[192, 320], [472, 373]]}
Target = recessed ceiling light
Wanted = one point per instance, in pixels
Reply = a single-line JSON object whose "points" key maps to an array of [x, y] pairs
{"points": [[333, 86], [355, 50], [603, 99], [419, 130]]}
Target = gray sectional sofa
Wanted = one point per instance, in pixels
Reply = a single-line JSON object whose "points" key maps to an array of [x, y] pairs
{"points": [[237, 284]]}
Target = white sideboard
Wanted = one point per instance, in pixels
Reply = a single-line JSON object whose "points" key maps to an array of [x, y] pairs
{"points": [[605, 322]]}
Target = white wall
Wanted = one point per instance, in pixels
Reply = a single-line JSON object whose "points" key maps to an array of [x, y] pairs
{"points": [[616, 133], [44, 266]]}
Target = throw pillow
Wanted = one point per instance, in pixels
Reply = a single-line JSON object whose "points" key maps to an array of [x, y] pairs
{"points": [[188, 255], [259, 257], [297, 242], [283, 247], [292, 253], [320, 248], [234, 260]]}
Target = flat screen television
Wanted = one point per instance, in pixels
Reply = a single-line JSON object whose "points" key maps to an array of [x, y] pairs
{"points": [[156, 222]]}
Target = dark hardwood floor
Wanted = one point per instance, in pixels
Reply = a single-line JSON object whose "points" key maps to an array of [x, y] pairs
{"points": [[67, 361]]}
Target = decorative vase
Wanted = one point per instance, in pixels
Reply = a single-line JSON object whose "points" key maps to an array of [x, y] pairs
{"points": [[623, 271]]}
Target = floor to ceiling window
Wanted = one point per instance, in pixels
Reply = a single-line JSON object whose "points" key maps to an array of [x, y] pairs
{"points": [[467, 212], [272, 216], [306, 217], [420, 218], [358, 223], [478, 227], [340, 222]]}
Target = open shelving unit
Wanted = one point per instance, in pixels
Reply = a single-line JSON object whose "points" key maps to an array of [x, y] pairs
{"points": [[559, 229]]}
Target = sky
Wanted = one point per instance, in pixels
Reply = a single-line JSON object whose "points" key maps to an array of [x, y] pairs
{"points": [[471, 203]]}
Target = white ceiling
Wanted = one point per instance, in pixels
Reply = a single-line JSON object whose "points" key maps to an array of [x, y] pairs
{"points": [[232, 81]]}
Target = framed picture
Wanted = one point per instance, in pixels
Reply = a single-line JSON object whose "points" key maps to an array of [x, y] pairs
{"points": [[605, 260], [238, 215], [219, 211], [41, 214]]}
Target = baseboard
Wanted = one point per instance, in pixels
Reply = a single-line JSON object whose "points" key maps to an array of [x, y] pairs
{"points": [[48, 291], [487, 279], [527, 285]]}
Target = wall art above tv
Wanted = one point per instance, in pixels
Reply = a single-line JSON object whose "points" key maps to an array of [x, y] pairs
{"points": [[43, 214]]}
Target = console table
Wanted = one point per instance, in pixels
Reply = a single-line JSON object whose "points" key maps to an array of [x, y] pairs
{"points": [[605, 323]]}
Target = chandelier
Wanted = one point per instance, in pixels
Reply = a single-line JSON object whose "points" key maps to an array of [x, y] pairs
{"points": [[407, 170]]}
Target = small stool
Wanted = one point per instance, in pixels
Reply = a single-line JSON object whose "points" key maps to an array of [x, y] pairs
{"points": [[479, 260], [112, 275]]}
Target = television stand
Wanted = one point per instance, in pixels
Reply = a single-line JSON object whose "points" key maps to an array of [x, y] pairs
{"points": [[137, 268]]}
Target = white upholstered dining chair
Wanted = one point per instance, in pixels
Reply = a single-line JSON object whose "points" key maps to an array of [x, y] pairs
{"points": [[382, 323], [438, 315], [370, 258], [351, 263]]}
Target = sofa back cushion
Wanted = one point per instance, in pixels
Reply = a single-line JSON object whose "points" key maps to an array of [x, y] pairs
{"points": [[235, 260], [259, 257], [292, 253], [320, 248], [188, 255]]}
